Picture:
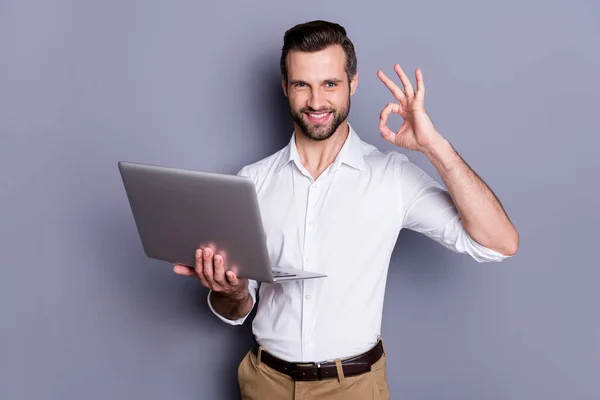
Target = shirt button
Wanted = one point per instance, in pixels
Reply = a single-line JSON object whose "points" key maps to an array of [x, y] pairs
{"points": [[314, 185], [308, 297]]}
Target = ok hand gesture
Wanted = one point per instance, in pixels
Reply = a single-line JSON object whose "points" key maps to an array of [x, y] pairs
{"points": [[417, 131]]}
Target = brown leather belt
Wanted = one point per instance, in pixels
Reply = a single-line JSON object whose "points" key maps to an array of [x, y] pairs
{"points": [[317, 371]]}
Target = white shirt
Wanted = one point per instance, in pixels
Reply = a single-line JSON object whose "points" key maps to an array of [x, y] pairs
{"points": [[344, 224]]}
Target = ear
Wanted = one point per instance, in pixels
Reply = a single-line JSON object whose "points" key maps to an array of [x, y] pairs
{"points": [[284, 87], [354, 84]]}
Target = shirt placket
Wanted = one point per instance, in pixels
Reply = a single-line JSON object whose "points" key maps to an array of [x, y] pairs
{"points": [[309, 254]]}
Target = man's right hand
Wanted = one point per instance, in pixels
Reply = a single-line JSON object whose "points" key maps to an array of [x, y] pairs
{"points": [[210, 269]]}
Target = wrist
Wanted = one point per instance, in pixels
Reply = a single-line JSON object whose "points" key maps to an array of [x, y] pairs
{"points": [[435, 147], [441, 154], [234, 297]]}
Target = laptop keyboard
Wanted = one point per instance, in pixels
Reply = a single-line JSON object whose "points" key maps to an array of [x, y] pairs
{"points": [[280, 274]]}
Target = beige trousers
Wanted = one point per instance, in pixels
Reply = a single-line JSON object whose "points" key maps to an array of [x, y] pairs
{"points": [[260, 382]]}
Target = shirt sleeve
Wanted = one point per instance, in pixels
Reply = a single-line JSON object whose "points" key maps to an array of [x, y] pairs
{"points": [[427, 208], [252, 284]]}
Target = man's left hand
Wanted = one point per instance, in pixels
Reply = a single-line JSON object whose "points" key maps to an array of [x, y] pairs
{"points": [[417, 131]]}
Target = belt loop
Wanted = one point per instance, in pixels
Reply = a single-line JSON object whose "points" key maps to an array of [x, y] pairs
{"points": [[258, 356], [340, 371]]}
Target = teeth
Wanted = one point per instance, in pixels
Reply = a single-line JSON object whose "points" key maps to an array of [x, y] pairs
{"points": [[318, 116]]}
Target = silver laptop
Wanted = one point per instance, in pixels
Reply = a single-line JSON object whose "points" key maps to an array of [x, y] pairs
{"points": [[177, 211]]}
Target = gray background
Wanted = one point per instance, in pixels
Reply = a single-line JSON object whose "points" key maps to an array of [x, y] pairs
{"points": [[513, 85]]}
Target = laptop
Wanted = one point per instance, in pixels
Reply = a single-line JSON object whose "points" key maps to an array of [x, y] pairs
{"points": [[177, 211]]}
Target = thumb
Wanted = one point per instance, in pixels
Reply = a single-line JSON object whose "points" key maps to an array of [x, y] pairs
{"points": [[183, 270]]}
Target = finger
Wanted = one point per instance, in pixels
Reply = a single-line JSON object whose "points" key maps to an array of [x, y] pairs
{"points": [[405, 81], [420, 85], [396, 91], [199, 268], [387, 133], [390, 108], [232, 278], [219, 270], [207, 265], [198, 261]]}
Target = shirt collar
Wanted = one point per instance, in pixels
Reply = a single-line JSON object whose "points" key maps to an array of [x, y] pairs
{"points": [[350, 154]]}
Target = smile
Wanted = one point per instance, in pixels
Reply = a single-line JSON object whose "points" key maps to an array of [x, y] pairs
{"points": [[318, 117]]}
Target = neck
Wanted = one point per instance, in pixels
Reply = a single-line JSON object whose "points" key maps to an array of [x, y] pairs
{"points": [[316, 156]]}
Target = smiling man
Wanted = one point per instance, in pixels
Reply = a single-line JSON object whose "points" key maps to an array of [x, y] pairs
{"points": [[319, 114], [332, 203]]}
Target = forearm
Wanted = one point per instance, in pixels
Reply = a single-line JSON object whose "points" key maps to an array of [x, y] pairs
{"points": [[481, 212], [231, 307]]}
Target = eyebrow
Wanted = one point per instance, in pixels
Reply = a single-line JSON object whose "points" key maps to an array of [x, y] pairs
{"points": [[334, 80]]}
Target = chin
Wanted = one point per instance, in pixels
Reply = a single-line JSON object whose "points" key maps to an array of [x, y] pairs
{"points": [[318, 133]]}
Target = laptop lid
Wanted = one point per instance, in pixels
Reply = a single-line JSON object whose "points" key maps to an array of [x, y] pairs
{"points": [[177, 211]]}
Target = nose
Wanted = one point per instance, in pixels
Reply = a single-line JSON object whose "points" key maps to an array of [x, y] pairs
{"points": [[316, 101]]}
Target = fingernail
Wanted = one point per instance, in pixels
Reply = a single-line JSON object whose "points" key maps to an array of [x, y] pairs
{"points": [[206, 252], [198, 253]]}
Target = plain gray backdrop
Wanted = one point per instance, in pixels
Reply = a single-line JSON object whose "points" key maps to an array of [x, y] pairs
{"points": [[84, 314]]}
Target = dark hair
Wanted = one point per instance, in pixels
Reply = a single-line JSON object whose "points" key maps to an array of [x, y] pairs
{"points": [[314, 36]]}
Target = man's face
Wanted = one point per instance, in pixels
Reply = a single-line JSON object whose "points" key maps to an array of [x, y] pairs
{"points": [[318, 90]]}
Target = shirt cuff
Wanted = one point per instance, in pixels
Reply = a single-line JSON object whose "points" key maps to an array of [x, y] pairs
{"points": [[455, 237], [252, 286], [483, 254]]}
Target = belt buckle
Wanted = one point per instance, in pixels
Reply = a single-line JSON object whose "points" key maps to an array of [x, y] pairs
{"points": [[294, 373]]}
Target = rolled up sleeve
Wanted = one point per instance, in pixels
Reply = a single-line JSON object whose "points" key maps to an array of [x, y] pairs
{"points": [[427, 208]]}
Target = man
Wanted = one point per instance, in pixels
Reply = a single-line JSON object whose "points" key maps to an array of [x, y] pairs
{"points": [[334, 204]]}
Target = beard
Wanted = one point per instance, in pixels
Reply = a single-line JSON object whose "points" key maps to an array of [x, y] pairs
{"points": [[316, 131]]}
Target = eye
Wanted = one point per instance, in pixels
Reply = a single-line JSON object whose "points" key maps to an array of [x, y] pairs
{"points": [[331, 84], [299, 85]]}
